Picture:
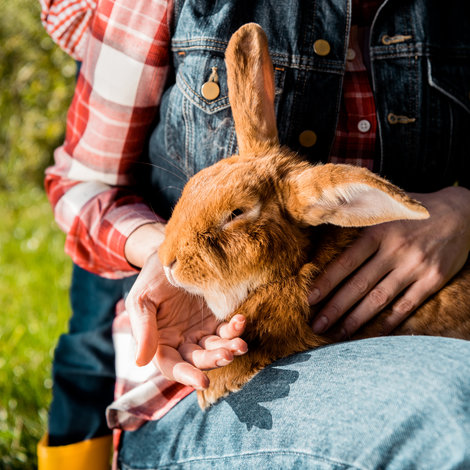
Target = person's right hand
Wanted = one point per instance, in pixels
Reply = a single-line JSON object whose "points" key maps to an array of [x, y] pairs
{"points": [[177, 330]]}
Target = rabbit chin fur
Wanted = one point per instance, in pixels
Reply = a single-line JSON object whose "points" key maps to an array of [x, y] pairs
{"points": [[222, 302]]}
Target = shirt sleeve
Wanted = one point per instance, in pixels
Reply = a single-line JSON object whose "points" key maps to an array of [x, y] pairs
{"points": [[68, 23], [91, 185]]}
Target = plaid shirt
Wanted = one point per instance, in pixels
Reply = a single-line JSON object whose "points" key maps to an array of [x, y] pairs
{"points": [[124, 47]]}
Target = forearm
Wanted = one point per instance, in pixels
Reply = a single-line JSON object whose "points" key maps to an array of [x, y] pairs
{"points": [[143, 242], [97, 220]]}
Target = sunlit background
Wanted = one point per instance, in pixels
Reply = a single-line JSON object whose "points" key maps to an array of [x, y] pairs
{"points": [[36, 86]]}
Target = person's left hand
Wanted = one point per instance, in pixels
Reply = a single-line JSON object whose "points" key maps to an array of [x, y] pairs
{"points": [[177, 331], [403, 260]]}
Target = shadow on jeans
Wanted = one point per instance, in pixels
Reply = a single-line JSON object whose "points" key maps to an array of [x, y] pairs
{"points": [[270, 384]]}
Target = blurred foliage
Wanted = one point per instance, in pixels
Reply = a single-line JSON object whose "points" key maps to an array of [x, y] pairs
{"points": [[36, 86]]}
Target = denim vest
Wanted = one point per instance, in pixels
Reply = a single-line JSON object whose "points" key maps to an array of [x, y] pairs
{"points": [[420, 72]]}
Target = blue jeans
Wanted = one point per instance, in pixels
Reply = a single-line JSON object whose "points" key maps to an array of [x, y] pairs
{"points": [[83, 367], [383, 403]]}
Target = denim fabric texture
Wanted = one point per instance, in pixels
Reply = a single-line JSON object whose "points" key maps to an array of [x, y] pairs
{"points": [[392, 403], [419, 63], [83, 367]]}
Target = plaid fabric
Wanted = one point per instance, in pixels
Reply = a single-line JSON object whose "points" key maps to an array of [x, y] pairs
{"points": [[124, 48], [357, 124], [142, 393], [67, 22], [125, 65]]}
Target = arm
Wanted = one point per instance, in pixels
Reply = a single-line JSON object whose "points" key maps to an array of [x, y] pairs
{"points": [[399, 263], [119, 88]]}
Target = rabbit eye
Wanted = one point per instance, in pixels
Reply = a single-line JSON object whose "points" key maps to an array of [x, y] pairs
{"points": [[236, 213]]}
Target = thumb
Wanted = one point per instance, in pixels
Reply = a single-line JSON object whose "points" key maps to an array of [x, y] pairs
{"points": [[143, 319]]}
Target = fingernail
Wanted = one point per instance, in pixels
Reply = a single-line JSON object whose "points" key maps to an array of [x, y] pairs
{"points": [[222, 362], [313, 296], [239, 325], [342, 335], [320, 324]]}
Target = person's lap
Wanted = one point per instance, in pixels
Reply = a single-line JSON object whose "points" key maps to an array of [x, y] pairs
{"points": [[395, 403]]}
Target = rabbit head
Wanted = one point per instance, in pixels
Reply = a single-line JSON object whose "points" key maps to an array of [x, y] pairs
{"points": [[246, 221]]}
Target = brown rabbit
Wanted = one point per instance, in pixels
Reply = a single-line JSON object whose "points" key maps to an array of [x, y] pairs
{"points": [[245, 231]]}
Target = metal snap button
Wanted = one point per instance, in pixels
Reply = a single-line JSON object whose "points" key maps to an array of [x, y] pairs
{"points": [[210, 90], [321, 47], [364, 125], [307, 138]]}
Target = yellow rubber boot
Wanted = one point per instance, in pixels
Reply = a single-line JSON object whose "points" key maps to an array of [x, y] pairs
{"points": [[92, 454]]}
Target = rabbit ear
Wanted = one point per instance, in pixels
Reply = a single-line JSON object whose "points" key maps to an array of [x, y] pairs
{"points": [[250, 80], [347, 196]]}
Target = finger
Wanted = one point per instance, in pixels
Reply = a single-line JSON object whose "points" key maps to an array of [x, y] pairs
{"points": [[172, 366], [144, 329], [236, 346], [204, 359], [354, 289], [373, 303], [234, 328], [416, 294], [340, 268]]}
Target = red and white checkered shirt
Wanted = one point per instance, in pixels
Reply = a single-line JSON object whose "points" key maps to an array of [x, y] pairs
{"points": [[124, 47]]}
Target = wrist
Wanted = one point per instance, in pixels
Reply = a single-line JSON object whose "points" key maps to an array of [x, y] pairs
{"points": [[143, 242], [450, 203]]}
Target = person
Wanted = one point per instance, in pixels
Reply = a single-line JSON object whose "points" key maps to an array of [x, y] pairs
{"points": [[395, 99]]}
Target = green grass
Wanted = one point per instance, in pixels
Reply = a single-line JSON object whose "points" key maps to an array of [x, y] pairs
{"points": [[36, 85], [34, 278]]}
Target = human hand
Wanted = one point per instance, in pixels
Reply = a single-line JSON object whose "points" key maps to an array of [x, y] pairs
{"points": [[407, 259], [176, 330]]}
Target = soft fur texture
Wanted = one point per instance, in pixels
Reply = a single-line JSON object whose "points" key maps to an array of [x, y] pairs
{"points": [[251, 232]]}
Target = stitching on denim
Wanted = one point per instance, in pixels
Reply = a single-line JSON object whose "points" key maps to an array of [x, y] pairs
{"points": [[169, 130], [187, 41], [187, 121], [203, 47], [337, 463], [292, 61]]}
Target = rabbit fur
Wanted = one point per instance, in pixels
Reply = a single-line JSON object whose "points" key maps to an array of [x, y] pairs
{"points": [[251, 232]]}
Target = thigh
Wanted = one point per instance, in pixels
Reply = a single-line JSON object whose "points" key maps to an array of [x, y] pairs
{"points": [[395, 403]]}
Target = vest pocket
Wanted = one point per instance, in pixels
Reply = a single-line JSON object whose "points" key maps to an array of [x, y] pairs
{"points": [[199, 127]]}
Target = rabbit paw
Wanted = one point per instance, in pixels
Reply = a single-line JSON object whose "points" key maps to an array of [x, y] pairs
{"points": [[220, 386]]}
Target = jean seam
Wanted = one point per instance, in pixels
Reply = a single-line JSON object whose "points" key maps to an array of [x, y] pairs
{"points": [[337, 463]]}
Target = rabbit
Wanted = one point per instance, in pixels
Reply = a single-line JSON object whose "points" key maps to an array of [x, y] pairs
{"points": [[252, 231]]}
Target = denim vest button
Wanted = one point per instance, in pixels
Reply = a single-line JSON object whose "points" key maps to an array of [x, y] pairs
{"points": [[321, 47], [307, 138], [210, 90]]}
